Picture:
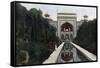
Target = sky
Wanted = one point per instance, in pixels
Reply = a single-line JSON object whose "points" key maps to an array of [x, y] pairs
{"points": [[52, 10]]}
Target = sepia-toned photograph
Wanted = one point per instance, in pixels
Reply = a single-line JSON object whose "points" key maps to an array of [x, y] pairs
{"points": [[54, 33]]}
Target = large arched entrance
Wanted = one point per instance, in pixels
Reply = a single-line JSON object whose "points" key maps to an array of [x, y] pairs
{"points": [[66, 26], [66, 31], [69, 20]]}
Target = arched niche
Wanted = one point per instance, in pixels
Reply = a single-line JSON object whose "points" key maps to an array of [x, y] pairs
{"points": [[66, 27]]}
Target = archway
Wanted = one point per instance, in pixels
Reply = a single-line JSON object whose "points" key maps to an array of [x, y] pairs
{"points": [[69, 19], [65, 29]]}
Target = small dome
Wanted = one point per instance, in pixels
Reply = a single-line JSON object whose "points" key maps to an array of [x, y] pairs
{"points": [[46, 15], [85, 16]]}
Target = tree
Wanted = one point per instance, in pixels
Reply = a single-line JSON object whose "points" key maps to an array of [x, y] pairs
{"points": [[87, 36], [33, 35]]}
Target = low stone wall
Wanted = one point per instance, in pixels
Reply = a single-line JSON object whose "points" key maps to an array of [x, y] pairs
{"points": [[53, 57]]}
